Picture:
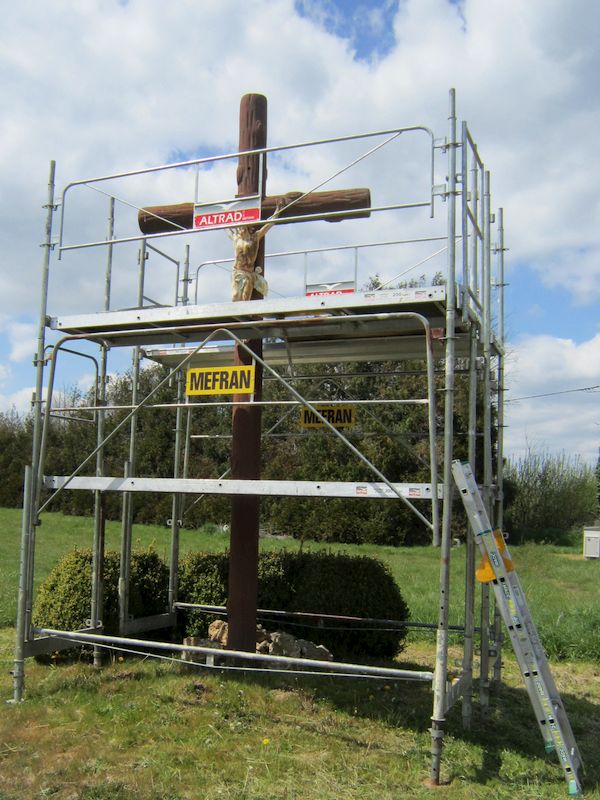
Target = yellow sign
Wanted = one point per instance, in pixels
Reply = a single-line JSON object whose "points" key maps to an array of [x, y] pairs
{"points": [[338, 416], [219, 380]]}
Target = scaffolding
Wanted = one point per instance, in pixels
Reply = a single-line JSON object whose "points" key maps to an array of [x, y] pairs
{"points": [[457, 323]]}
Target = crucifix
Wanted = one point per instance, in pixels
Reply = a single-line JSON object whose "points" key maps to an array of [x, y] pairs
{"points": [[251, 285]]}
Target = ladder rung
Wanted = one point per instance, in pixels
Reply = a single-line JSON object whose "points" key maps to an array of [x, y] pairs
{"points": [[544, 696]]}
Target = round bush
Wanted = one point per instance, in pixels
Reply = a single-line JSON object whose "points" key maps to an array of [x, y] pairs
{"points": [[321, 583], [64, 598]]}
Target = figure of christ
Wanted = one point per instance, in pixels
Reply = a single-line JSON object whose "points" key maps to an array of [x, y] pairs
{"points": [[246, 240]]}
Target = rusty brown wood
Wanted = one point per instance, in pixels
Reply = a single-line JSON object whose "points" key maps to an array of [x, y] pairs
{"points": [[355, 203], [246, 418]]}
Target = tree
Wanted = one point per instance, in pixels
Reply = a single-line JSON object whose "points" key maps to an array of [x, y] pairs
{"points": [[15, 448], [552, 494]]}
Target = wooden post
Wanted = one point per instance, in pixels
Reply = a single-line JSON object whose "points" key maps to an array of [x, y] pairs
{"points": [[246, 418], [333, 206]]}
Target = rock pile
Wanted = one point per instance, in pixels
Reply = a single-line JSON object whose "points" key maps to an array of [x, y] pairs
{"points": [[277, 643]]}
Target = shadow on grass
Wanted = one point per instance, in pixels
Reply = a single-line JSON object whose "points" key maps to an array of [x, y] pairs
{"points": [[510, 725], [509, 728]]}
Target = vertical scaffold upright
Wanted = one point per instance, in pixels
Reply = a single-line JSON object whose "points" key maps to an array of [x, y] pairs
{"points": [[447, 323]]}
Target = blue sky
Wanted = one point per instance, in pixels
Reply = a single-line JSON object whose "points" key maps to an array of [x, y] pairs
{"points": [[367, 26], [117, 85]]}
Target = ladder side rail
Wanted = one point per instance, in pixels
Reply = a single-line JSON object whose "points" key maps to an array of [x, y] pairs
{"points": [[510, 613], [522, 647], [539, 682], [544, 667], [538, 648], [552, 719], [514, 608]]}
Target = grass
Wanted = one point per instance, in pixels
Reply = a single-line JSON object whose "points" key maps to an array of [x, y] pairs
{"points": [[144, 730], [562, 589]]}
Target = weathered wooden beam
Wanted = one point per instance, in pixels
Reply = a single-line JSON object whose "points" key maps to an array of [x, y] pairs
{"points": [[246, 417], [353, 203]]}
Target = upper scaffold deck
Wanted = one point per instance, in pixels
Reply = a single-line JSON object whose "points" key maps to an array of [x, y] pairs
{"points": [[389, 323]]}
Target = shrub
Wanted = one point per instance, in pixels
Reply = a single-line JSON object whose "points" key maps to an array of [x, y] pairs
{"points": [[64, 598], [548, 496], [323, 583]]}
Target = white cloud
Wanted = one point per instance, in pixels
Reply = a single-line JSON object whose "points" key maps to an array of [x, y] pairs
{"points": [[22, 337], [19, 400], [104, 85], [560, 419]]}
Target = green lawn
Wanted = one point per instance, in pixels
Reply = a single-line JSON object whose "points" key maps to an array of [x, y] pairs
{"points": [[144, 730], [563, 589]]}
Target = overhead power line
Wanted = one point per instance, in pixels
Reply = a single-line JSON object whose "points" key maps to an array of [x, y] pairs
{"points": [[552, 394]]}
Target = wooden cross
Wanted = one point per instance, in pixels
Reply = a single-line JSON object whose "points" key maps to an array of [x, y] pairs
{"points": [[246, 416]]}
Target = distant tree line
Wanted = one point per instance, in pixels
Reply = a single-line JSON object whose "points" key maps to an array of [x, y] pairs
{"points": [[394, 438], [546, 495], [542, 493], [549, 495]]}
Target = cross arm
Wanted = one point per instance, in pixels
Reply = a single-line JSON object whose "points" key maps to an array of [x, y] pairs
{"points": [[353, 203]]}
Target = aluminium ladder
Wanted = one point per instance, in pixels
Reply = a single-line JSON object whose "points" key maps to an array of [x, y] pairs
{"points": [[497, 568]]}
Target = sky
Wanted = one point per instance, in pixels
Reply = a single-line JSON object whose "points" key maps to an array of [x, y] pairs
{"points": [[107, 86]]}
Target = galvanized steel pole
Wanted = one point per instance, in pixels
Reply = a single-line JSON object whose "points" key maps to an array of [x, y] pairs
{"points": [[23, 597], [99, 511], [252, 657], [36, 450], [470, 275], [176, 508], [500, 466], [177, 505], [484, 681], [130, 466], [499, 498], [441, 660]]}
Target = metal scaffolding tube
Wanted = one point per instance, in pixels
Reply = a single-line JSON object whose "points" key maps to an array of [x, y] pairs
{"points": [[177, 504], [390, 624], [24, 596], [470, 275], [130, 467], [242, 655], [99, 513], [35, 493], [180, 455], [215, 404], [468, 650], [500, 397], [486, 644], [499, 499], [329, 215], [262, 155], [309, 251], [441, 659], [465, 221]]}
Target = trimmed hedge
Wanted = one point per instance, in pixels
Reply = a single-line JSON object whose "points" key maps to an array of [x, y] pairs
{"points": [[326, 583], [64, 598]]}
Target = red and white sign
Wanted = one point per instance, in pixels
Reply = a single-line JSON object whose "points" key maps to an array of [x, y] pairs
{"points": [[233, 212], [327, 289]]}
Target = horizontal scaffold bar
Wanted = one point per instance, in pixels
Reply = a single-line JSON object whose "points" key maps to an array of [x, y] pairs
{"points": [[305, 663], [372, 491]]}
